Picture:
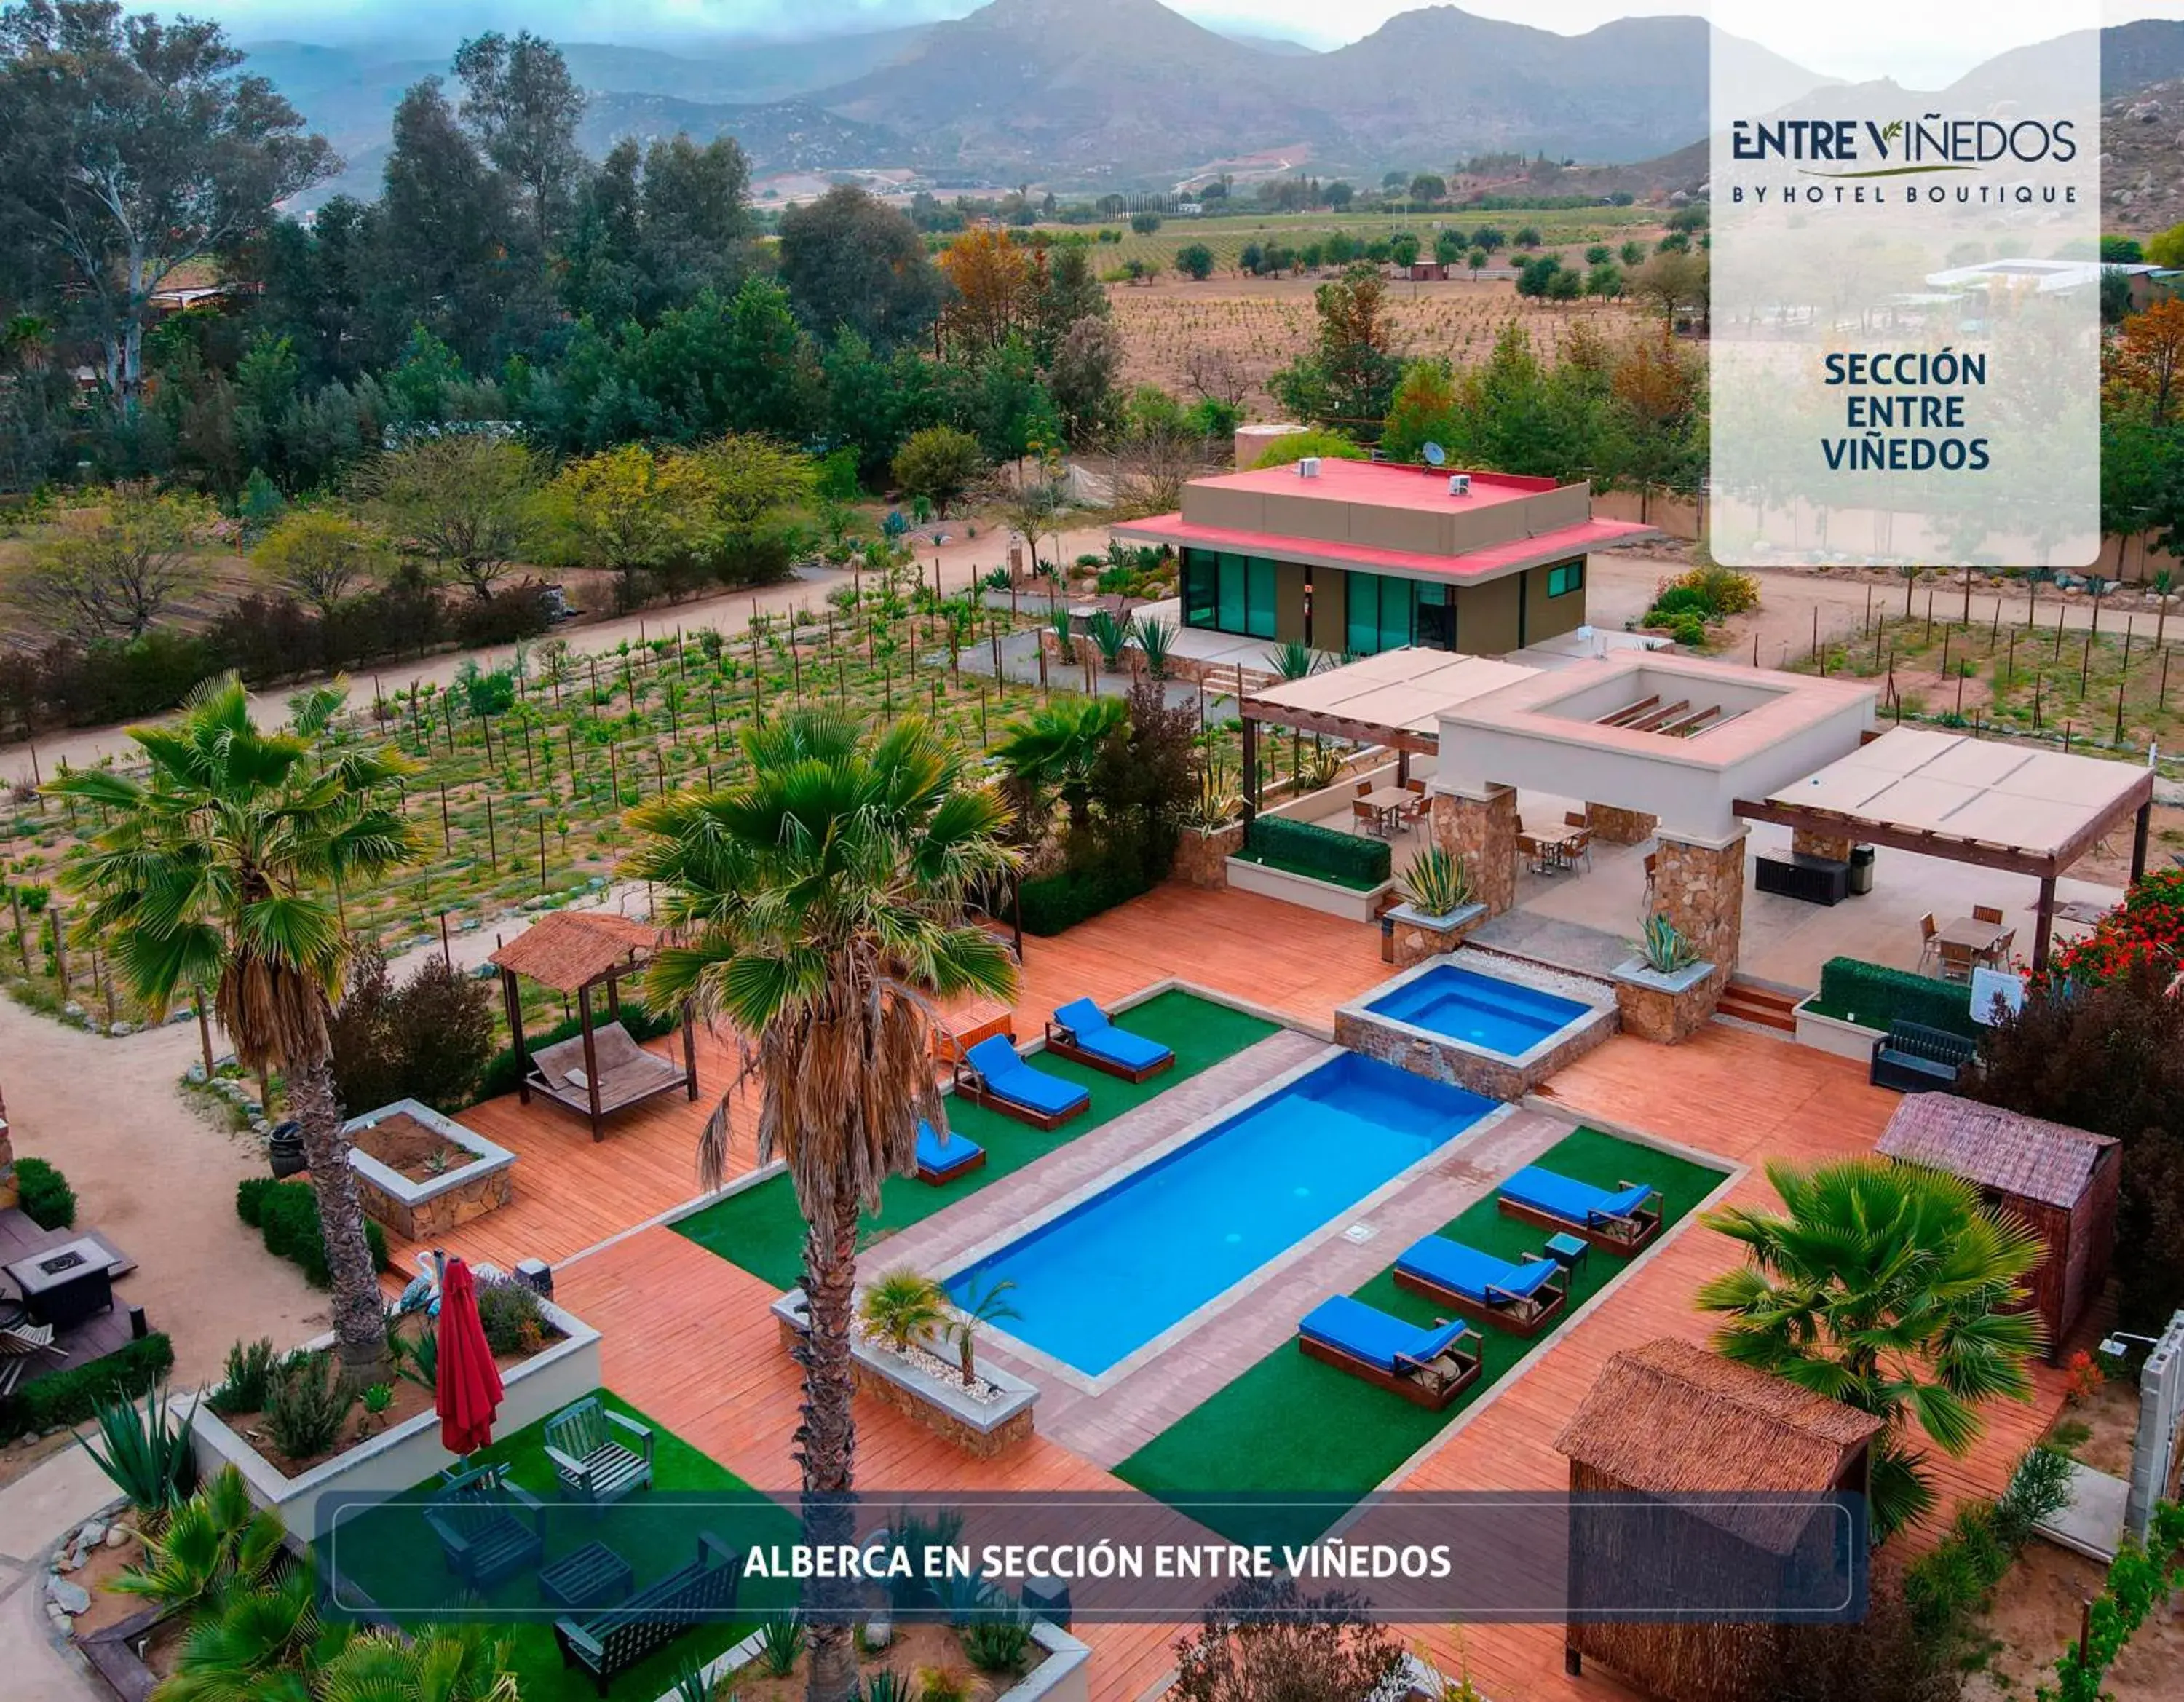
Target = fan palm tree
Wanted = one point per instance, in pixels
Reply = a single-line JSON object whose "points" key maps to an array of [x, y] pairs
{"points": [[1890, 1288], [817, 907], [213, 870], [1052, 749]]}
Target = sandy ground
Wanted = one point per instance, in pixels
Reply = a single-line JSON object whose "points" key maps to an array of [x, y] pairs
{"points": [[158, 1179], [2036, 1615]]}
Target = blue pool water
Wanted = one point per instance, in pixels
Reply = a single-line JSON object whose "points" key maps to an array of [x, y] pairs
{"points": [[1097, 1283], [1500, 1016]]}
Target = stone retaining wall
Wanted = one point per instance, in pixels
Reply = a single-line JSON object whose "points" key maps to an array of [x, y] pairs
{"points": [[1614, 826], [1201, 858]]}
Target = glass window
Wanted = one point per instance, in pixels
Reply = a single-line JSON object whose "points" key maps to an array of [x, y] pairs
{"points": [[1231, 593], [1565, 579], [1259, 598], [1396, 595], [1361, 636], [1201, 587]]}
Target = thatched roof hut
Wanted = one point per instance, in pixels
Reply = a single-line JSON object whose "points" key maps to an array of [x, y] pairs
{"points": [[2061, 1181], [1668, 1418]]}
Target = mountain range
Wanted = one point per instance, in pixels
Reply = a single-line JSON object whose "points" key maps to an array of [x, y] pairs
{"points": [[1089, 93]]}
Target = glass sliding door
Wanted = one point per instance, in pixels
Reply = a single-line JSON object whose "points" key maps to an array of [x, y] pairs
{"points": [[1201, 599], [1259, 598], [1231, 593]]}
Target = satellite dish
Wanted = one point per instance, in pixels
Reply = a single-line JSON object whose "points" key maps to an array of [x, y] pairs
{"points": [[1435, 455]]}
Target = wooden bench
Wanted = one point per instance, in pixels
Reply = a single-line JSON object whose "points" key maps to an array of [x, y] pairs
{"points": [[608, 1644], [1913, 1059]]}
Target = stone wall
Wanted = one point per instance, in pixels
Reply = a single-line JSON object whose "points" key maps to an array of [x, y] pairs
{"points": [[1481, 832], [1201, 859], [1614, 826], [1440, 1059], [1828, 845], [1700, 889], [1406, 941], [983, 1443], [456, 1204], [1666, 1018]]}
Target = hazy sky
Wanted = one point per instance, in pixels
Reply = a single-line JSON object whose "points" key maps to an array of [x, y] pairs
{"points": [[1927, 42]]}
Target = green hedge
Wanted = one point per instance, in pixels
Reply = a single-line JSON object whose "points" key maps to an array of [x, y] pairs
{"points": [[1311, 850], [73, 1395], [1053, 903], [1874, 996], [501, 1075], [45, 1195], [285, 1214]]}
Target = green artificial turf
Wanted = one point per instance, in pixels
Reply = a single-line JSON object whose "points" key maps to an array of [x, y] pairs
{"points": [[1292, 1424], [762, 1231], [391, 1556]]}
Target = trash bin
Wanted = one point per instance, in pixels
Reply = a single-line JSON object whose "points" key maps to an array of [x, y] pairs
{"points": [[284, 1148], [1861, 870]]}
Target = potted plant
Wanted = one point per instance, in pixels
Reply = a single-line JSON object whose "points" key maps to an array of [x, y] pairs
{"points": [[1660, 990], [1438, 908], [1436, 884]]}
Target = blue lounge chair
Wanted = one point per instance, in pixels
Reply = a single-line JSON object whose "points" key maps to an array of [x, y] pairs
{"points": [[1619, 1223], [943, 1158], [1081, 1031], [1428, 1367], [1523, 1299], [992, 1074]]}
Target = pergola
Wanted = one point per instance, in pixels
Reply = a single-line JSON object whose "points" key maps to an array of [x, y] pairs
{"points": [[1970, 800], [573, 952], [1395, 700]]}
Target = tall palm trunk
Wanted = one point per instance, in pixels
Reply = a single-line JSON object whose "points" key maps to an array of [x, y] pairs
{"points": [[827, 1439], [360, 1313]]}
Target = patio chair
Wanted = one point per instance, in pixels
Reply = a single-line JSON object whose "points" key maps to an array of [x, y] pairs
{"points": [[1619, 1223], [1421, 806], [1523, 1298], [1580, 839], [1081, 1032], [1988, 914], [1958, 961], [1428, 1367], [20, 1340], [991, 1075], [595, 1466], [1998, 954], [1652, 868], [489, 1529], [943, 1158], [1928, 929]]}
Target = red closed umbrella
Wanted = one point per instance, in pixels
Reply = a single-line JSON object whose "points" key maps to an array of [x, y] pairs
{"points": [[468, 1390]]}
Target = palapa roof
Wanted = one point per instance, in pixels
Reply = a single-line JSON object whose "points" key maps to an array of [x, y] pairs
{"points": [[567, 950], [2024, 1156], [1668, 1417]]}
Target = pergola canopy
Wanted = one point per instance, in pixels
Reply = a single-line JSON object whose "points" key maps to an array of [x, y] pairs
{"points": [[1394, 699]]}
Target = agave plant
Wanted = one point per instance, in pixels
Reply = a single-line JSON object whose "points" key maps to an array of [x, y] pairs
{"points": [[1665, 946], [145, 1453], [1437, 883], [1156, 642], [1109, 636], [1218, 803], [1292, 660], [903, 1305]]}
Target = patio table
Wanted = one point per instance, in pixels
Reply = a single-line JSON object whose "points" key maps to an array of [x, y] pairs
{"points": [[1387, 804], [1980, 937]]}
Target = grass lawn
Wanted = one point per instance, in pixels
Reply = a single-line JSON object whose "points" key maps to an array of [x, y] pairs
{"points": [[1292, 1425], [656, 1532], [762, 1231]]}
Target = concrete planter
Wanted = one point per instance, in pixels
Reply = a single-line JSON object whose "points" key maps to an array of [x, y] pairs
{"points": [[1201, 856], [940, 1404], [422, 1210], [1062, 1676], [1409, 936], [405, 1454], [1665, 1008], [1355, 903], [1831, 1034]]}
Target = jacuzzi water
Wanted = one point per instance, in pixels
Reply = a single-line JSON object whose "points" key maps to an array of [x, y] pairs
{"points": [[1504, 1017]]}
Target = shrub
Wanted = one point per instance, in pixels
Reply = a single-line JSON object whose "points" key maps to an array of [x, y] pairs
{"points": [[247, 1379], [306, 1405], [500, 1073], [1874, 996], [513, 613], [942, 1684], [996, 1645], [426, 1040], [286, 1216], [145, 1452], [1053, 902], [1308, 848], [510, 1311], [72, 1396], [45, 1196]]}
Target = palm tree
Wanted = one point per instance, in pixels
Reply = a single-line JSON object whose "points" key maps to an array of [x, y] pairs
{"points": [[213, 870], [1052, 747], [817, 907], [1889, 1287]]}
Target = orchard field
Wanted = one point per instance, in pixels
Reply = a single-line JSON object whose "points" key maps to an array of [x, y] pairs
{"points": [[1228, 237]]}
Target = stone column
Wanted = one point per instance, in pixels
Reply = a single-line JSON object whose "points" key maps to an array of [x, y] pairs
{"points": [[1614, 826], [1700, 889], [1481, 830], [1826, 845]]}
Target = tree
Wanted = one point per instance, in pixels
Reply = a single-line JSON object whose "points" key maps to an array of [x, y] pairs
{"points": [[468, 500], [1051, 751], [818, 911], [1145, 224], [216, 869], [850, 260], [1423, 411], [1528, 235], [441, 234], [1195, 260], [1448, 247], [1404, 248], [993, 287], [319, 555], [2166, 249], [2146, 361], [1672, 283], [520, 102], [133, 149], [939, 463], [114, 570], [1428, 186], [636, 509], [1082, 378], [1349, 378], [1339, 195], [1893, 1290]]}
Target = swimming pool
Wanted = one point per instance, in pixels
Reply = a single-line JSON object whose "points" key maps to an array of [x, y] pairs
{"points": [[1501, 1016], [1096, 1283]]}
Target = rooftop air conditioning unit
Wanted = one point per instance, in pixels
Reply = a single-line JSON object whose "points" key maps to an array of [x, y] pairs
{"points": [[1308, 468], [1459, 484]]}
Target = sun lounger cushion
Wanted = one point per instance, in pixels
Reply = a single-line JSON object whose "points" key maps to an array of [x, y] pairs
{"points": [[1379, 1338], [937, 1153], [1476, 1275], [1097, 1035], [1574, 1202], [1010, 1078]]}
